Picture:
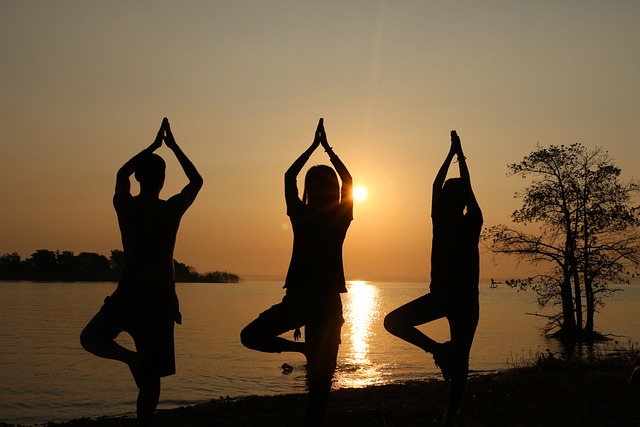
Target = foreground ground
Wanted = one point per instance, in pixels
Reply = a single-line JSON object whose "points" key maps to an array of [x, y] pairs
{"points": [[538, 396]]}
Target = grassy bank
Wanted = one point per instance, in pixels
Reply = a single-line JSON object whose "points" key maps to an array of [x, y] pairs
{"points": [[546, 391]]}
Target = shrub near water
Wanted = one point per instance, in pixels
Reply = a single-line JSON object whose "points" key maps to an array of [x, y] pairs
{"points": [[610, 358]]}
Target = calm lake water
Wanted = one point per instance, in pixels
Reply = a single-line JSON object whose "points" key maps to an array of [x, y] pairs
{"points": [[46, 376]]}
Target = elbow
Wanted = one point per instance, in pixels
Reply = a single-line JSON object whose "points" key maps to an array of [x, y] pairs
{"points": [[345, 175], [198, 181], [290, 174], [290, 179], [123, 174]]}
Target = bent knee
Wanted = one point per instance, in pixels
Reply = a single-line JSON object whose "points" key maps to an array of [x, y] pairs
{"points": [[91, 336], [391, 323], [248, 338], [86, 339]]}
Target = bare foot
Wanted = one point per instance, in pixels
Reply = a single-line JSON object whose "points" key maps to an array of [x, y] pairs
{"points": [[443, 358]]}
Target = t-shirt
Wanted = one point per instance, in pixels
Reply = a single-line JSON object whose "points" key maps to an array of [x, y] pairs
{"points": [[316, 266], [455, 259], [149, 228]]}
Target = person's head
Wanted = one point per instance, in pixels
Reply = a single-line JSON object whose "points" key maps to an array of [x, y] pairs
{"points": [[150, 171], [321, 186], [454, 193]]}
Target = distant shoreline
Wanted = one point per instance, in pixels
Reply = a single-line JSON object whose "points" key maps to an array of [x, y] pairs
{"points": [[100, 281], [65, 266]]}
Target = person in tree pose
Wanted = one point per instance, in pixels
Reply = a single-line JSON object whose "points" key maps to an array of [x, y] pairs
{"points": [[455, 269], [315, 278], [145, 303]]}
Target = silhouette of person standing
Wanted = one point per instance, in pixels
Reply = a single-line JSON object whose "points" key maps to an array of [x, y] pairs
{"points": [[315, 278], [145, 303], [455, 270]]}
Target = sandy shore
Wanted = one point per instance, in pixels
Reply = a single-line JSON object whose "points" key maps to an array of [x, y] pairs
{"points": [[518, 397]]}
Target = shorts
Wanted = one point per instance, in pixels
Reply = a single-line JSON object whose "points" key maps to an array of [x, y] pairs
{"points": [[321, 318], [461, 312], [147, 313]]}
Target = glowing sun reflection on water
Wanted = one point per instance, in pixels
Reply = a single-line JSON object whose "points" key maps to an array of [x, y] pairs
{"points": [[361, 310]]}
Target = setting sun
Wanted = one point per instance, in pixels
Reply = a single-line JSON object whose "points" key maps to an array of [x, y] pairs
{"points": [[359, 193]]}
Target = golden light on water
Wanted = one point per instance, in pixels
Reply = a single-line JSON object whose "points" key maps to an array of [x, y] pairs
{"points": [[361, 311]]}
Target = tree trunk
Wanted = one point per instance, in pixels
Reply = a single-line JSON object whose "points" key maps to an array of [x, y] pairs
{"points": [[591, 308], [577, 291], [568, 318]]}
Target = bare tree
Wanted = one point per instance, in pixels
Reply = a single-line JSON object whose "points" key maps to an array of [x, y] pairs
{"points": [[587, 235]]}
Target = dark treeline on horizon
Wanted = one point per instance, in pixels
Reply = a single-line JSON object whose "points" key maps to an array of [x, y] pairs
{"points": [[46, 265]]}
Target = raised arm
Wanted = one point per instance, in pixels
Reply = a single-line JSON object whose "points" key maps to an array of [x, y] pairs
{"points": [[123, 185], [190, 191], [290, 176], [441, 176], [347, 181], [472, 203]]}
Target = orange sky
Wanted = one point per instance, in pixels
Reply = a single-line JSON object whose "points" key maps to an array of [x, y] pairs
{"points": [[85, 86]]}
